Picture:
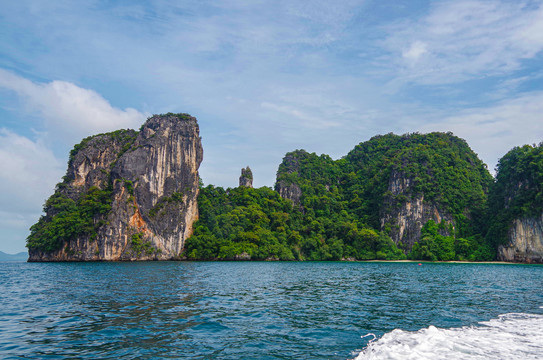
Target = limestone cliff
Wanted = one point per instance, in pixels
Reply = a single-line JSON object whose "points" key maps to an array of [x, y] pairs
{"points": [[289, 191], [287, 175], [525, 241], [516, 205], [405, 212], [126, 196]]}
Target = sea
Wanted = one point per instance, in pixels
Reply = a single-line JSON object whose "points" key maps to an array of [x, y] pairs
{"points": [[270, 310]]}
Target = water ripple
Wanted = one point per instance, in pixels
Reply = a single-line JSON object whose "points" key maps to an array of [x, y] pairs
{"points": [[246, 310]]}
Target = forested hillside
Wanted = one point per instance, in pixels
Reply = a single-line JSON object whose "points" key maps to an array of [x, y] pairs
{"points": [[427, 187], [246, 223]]}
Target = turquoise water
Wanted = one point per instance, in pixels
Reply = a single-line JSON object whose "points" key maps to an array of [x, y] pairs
{"points": [[260, 310]]}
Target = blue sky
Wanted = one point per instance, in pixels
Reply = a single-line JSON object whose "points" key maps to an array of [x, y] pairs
{"points": [[262, 77]]}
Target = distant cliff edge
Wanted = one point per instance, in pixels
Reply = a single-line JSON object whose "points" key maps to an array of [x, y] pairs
{"points": [[516, 205], [127, 195]]}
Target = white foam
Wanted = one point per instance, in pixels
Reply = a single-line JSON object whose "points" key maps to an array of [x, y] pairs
{"points": [[511, 336]]}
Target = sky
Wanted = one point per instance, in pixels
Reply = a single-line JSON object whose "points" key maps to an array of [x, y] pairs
{"points": [[262, 77]]}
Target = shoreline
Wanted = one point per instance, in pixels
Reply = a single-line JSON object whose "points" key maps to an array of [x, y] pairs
{"points": [[451, 262], [287, 261]]}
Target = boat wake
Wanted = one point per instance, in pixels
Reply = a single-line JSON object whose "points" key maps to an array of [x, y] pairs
{"points": [[510, 336]]}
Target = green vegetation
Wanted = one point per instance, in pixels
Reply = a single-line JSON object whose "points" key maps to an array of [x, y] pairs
{"points": [[517, 192], [338, 206], [247, 173], [177, 197], [439, 165], [338, 214], [142, 247], [125, 137], [129, 186], [70, 215], [434, 246], [180, 116], [244, 223], [69, 219]]}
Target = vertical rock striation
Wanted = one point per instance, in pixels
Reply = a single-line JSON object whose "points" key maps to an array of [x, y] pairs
{"points": [[405, 212], [148, 186], [525, 241], [516, 205]]}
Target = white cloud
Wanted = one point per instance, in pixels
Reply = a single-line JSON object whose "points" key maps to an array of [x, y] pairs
{"points": [[71, 110], [467, 39], [415, 51], [29, 172], [305, 120], [30, 168], [493, 131]]}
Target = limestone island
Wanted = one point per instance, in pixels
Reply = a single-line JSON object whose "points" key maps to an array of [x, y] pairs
{"points": [[136, 195]]}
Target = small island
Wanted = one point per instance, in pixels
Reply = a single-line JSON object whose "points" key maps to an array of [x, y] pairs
{"points": [[136, 195]]}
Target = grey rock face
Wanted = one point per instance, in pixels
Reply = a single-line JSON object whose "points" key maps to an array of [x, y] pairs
{"points": [[406, 213], [525, 242], [246, 178], [153, 177], [90, 165], [289, 190]]}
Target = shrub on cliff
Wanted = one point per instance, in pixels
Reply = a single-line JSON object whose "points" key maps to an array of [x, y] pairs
{"points": [[70, 219]]}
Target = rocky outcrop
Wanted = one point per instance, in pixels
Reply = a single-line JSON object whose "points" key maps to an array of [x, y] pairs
{"points": [[285, 184], [405, 212], [246, 178], [151, 179], [289, 191], [525, 241]]}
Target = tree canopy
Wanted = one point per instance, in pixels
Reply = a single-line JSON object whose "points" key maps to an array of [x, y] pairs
{"points": [[338, 214], [517, 192]]}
